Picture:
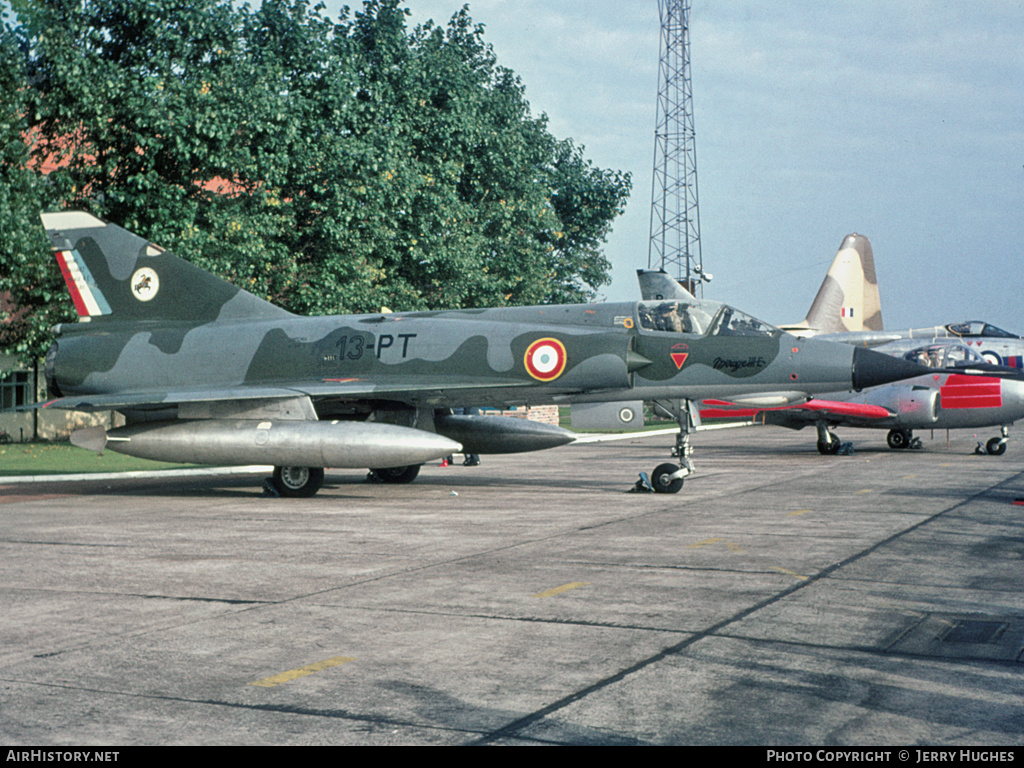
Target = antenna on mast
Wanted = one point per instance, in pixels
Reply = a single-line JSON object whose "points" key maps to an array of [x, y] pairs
{"points": [[675, 223]]}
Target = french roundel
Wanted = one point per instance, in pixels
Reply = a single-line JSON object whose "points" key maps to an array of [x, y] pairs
{"points": [[545, 359]]}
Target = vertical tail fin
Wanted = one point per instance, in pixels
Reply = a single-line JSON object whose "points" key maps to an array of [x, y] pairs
{"points": [[656, 285], [848, 298], [115, 275]]}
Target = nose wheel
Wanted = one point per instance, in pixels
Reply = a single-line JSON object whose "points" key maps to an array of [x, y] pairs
{"points": [[668, 478], [996, 446]]}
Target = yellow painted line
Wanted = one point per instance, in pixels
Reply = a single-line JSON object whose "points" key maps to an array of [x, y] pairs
{"points": [[564, 588], [704, 543], [798, 512], [866, 490], [734, 547], [908, 477], [309, 669], [789, 572]]}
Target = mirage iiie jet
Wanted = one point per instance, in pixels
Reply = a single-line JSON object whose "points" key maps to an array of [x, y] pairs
{"points": [[205, 372]]}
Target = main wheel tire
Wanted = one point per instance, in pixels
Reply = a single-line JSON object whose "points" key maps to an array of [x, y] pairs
{"points": [[661, 480], [898, 439], [995, 447], [831, 448], [397, 474], [298, 482]]}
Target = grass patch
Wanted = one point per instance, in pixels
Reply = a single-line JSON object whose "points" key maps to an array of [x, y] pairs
{"points": [[64, 458]]}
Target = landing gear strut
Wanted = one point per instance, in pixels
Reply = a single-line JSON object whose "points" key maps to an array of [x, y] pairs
{"points": [[668, 478]]}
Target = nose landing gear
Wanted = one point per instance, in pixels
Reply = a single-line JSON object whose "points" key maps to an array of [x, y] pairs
{"points": [[996, 446]]}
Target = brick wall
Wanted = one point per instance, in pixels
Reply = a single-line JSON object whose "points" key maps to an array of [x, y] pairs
{"points": [[545, 413]]}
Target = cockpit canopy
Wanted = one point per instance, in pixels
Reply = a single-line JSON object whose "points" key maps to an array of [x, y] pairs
{"points": [[693, 318], [944, 356], [979, 328]]}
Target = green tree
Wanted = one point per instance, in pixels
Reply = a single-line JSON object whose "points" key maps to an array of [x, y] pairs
{"points": [[328, 165], [26, 273]]}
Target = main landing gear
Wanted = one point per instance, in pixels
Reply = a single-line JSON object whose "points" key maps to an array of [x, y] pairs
{"points": [[396, 475], [297, 482], [828, 443], [898, 439], [303, 482]]}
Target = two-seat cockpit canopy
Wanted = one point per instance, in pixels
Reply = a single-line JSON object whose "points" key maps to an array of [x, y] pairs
{"points": [[944, 356], [979, 328], [687, 317]]}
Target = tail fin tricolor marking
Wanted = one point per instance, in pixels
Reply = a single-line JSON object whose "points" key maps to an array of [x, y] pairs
{"points": [[115, 276], [89, 300], [848, 298]]}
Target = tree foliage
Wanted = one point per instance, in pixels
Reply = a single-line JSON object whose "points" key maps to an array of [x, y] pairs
{"points": [[22, 241], [328, 165]]}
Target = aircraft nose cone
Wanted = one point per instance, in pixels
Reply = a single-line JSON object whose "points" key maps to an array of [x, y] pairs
{"points": [[873, 368]]}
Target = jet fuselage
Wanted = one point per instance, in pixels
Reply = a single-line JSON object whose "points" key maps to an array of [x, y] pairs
{"points": [[496, 357]]}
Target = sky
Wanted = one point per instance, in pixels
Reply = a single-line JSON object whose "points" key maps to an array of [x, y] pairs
{"points": [[903, 121]]}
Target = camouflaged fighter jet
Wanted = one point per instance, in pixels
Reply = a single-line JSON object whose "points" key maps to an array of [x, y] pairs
{"points": [[205, 372]]}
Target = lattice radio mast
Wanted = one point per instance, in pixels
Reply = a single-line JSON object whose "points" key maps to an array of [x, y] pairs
{"points": [[675, 223]]}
